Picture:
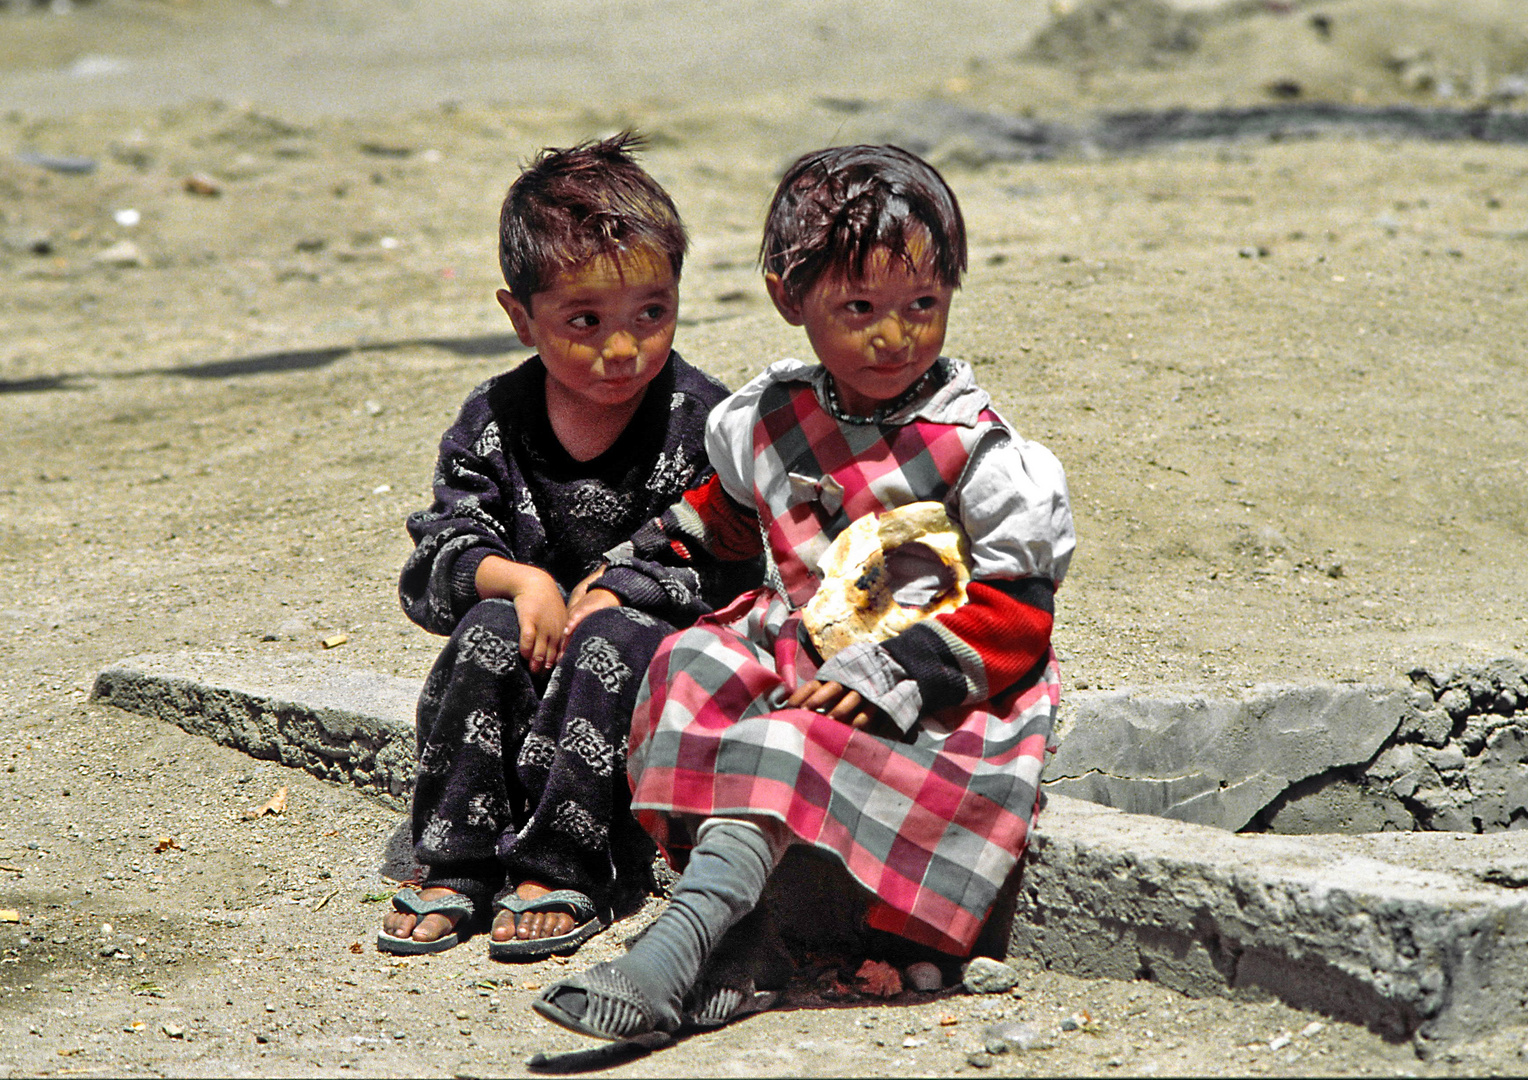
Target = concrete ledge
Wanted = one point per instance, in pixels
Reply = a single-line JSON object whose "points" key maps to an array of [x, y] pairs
{"points": [[1408, 933], [336, 722], [1412, 934]]}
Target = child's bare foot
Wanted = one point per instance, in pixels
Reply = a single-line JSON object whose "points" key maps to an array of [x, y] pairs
{"points": [[433, 927], [531, 924], [423, 920], [537, 921]]}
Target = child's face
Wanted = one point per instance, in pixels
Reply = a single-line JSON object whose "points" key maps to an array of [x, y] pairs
{"points": [[876, 336], [603, 328]]}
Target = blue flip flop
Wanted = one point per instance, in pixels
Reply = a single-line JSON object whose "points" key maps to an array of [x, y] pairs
{"points": [[587, 920], [411, 903]]}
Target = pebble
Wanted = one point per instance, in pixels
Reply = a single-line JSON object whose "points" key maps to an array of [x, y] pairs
{"points": [[924, 976], [987, 976], [979, 1059], [123, 255], [27, 241], [174, 1031], [202, 184], [1014, 1035], [59, 163]]}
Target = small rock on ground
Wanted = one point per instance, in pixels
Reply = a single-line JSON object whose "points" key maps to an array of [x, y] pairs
{"points": [[987, 976]]}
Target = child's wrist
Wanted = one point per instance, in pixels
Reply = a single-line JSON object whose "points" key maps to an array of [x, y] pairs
{"points": [[500, 577]]}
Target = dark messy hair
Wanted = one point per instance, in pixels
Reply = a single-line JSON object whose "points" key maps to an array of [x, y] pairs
{"points": [[834, 207], [574, 204]]}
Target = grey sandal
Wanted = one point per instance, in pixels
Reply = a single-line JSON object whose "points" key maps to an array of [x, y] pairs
{"points": [[612, 1006], [714, 1005], [410, 903], [749, 957], [587, 921]]}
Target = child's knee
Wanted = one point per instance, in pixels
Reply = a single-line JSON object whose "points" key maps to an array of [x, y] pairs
{"points": [[495, 617], [488, 637], [632, 633], [602, 622], [495, 614]]}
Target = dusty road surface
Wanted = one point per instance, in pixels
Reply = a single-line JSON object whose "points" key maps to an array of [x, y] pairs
{"points": [[247, 261]]}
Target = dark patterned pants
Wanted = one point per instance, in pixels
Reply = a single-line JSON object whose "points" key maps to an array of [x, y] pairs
{"points": [[530, 780]]}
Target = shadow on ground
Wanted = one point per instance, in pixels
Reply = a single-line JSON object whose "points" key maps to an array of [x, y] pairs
{"points": [[479, 347]]}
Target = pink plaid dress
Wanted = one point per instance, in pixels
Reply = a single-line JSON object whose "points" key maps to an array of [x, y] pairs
{"points": [[932, 825]]}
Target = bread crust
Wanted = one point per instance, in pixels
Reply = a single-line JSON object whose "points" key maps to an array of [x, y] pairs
{"points": [[915, 550]]}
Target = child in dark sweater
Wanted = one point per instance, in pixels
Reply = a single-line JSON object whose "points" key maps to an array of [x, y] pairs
{"points": [[522, 723]]}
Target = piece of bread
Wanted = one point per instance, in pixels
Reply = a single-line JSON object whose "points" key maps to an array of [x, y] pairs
{"points": [[882, 574]]}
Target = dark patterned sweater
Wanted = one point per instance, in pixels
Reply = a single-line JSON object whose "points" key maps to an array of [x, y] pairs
{"points": [[505, 486]]}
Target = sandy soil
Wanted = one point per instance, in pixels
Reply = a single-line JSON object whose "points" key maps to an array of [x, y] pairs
{"points": [[1285, 379]]}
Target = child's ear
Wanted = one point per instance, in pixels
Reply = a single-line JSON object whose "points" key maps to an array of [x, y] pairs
{"points": [[790, 310], [518, 315]]}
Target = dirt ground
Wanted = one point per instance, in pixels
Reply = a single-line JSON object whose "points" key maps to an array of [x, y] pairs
{"points": [[1286, 379]]}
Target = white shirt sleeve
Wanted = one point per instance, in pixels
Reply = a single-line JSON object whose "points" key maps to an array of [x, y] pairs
{"points": [[1013, 503]]}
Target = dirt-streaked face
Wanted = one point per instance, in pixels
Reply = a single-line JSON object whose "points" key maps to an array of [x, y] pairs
{"points": [[877, 335], [603, 329]]}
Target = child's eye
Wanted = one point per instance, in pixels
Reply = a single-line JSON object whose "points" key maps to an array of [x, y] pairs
{"points": [[655, 312], [924, 303], [585, 321], [859, 307]]}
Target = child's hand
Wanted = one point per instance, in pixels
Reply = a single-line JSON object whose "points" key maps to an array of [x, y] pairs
{"points": [[585, 604], [538, 605], [838, 702], [583, 586], [542, 619]]}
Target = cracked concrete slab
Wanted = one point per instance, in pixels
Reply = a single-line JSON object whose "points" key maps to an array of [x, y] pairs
{"points": [[1414, 934], [1215, 760], [1449, 754]]}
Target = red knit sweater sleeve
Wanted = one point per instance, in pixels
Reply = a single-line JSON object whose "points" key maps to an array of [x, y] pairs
{"points": [[709, 516], [984, 647]]}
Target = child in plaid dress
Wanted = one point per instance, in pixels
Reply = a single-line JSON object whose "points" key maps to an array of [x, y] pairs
{"points": [[915, 760]]}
